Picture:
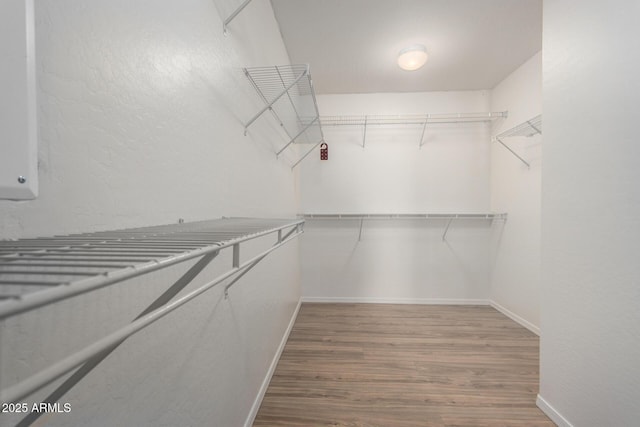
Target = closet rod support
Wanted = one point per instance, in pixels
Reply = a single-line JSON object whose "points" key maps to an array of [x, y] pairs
{"points": [[270, 104], [233, 15], [360, 233]]}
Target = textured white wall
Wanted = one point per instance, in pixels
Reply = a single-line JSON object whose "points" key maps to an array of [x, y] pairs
{"points": [[398, 260], [515, 273], [141, 105], [590, 339]]}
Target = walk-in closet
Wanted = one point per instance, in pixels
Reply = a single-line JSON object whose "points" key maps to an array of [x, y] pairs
{"points": [[319, 213]]}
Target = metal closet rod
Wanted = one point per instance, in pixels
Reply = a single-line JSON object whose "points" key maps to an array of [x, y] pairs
{"points": [[33, 300], [25, 388]]}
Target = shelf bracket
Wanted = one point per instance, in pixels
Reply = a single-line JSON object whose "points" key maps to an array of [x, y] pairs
{"points": [[444, 235], [424, 128], [307, 153], [296, 230], [534, 127], [513, 152], [296, 137], [270, 104], [360, 233], [364, 136], [233, 15]]}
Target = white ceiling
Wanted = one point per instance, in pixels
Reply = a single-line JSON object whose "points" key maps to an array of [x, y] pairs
{"points": [[352, 45]]}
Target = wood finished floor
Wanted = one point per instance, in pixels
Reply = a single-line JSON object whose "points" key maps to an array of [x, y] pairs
{"points": [[404, 365]]}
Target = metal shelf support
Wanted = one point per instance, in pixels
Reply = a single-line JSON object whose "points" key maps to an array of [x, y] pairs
{"points": [[513, 152], [424, 128], [364, 135], [233, 15], [303, 130], [307, 153]]}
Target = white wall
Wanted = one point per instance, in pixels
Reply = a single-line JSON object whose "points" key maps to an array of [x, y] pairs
{"points": [[398, 260], [392, 174], [515, 272], [590, 340], [141, 107]]}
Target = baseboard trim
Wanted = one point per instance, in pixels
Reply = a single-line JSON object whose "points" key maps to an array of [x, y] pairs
{"points": [[370, 300], [551, 412], [272, 368], [530, 326]]}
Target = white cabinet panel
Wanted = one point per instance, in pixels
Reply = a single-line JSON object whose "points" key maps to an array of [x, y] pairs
{"points": [[18, 125]]}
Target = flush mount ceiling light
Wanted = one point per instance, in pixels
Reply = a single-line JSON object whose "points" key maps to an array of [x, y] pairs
{"points": [[412, 58]]}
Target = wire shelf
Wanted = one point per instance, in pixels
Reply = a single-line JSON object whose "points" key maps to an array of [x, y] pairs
{"points": [[527, 129], [287, 91], [36, 272], [448, 217], [490, 216], [411, 119]]}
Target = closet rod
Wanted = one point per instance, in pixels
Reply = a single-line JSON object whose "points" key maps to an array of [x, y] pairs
{"points": [[25, 388]]}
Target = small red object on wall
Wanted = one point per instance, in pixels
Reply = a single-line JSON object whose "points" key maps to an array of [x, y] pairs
{"points": [[324, 151]]}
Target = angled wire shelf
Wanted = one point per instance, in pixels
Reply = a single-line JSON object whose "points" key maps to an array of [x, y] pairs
{"points": [[287, 92], [419, 120], [527, 129], [39, 272]]}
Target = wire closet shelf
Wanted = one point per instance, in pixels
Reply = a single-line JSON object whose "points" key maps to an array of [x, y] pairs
{"points": [[41, 271], [411, 119], [421, 121], [448, 217], [526, 129], [287, 91], [38, 272]]}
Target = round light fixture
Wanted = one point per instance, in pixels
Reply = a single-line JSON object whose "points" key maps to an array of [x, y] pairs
{"points": [[412, 58]]}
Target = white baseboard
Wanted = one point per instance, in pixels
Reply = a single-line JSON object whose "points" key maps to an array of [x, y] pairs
{"points": [[555, 416], [272, 368], [369, 300], [530, 326]]}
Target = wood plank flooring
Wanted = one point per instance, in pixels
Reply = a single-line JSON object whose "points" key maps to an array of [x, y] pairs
{"points": [[404, 365]]}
